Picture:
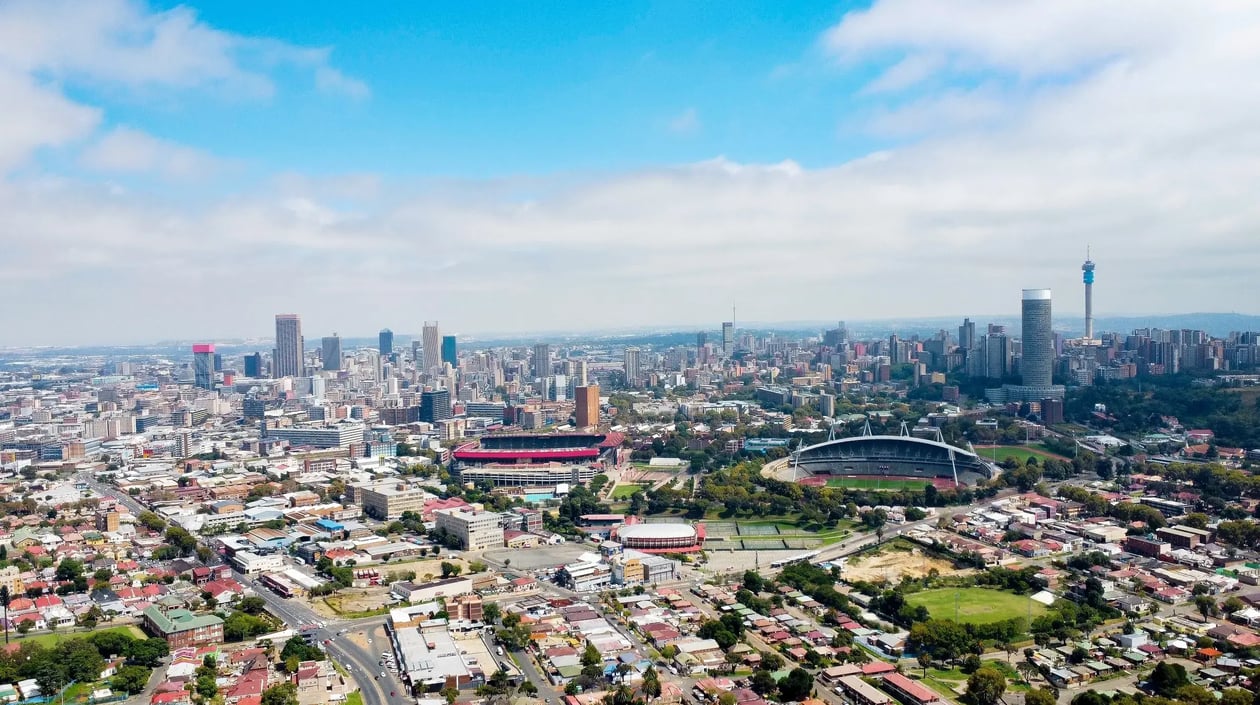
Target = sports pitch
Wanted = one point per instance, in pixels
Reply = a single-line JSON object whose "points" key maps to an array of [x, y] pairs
{"points": [[975, 605]]}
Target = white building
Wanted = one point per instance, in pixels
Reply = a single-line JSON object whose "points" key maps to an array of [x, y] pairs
{"points": [[476, 530]]}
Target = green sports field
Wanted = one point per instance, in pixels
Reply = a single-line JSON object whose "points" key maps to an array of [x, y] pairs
{"points": [[975, 605], [627, 491], [1020, 453], [876, 483]]}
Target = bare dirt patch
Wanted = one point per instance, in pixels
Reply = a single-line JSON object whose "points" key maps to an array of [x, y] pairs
{"points": [[892, 565]]}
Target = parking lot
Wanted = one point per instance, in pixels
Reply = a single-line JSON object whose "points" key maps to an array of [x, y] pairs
{"points": [[542, 557]]}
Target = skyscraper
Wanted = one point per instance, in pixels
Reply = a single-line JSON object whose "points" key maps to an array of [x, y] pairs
{"points": [[253, 365], [586, 406], [728, 338], [385, 342], [449, 350], [432, 345], [631, 367], [967, 334], [203, 365], [1088, 275], [435, 405], [289, 357], [702, 339], [542, 361], [1038, 340], [332, 352]]}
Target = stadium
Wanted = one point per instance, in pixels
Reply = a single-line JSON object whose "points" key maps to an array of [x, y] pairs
{"points": [[893, 458], [661, 538], [535, 460]]}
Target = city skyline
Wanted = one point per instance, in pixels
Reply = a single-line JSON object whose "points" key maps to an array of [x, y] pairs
{"points": [[720, 154]]}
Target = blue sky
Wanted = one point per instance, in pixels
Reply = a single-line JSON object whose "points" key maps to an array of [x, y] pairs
{"points": [[182, 170], [484, 89]]}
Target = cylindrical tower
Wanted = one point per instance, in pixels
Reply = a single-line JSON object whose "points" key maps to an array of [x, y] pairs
{"points": [[1088, 270], [1038, 340]]}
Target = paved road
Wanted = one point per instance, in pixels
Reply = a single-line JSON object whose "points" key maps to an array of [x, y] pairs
{"points": [[362, 665]]}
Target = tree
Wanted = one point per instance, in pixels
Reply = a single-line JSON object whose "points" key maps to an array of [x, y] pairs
{"points": [[1195, 695], [1206, 605], [1236, 696], [1168, 678], [925, 660], [590, 656], [490, 613], [763, 682], [451, 694], [251, 605], [986, 686], [450, 569], [753, 581], [280, 694], [1039, 696], [130, 679], [148, 652], [652, 683], [796, 685], [80, 659]]}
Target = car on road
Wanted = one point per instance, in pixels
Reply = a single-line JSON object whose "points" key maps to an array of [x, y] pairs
{"points": [[382, 674]]}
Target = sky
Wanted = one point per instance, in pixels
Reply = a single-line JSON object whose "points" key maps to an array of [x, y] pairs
{"points": [[186, 171]]}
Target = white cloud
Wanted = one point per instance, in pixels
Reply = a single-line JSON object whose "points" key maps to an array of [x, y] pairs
{"points": [[127, 150], [37, 116], [685, 123], [1044, 126], [330, 80]]}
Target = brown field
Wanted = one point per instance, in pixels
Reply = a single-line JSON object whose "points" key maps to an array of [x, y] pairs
{"points": [[891, 565]]}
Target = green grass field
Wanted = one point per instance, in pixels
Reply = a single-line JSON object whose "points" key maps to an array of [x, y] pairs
{"points": [[875, 483], [1020, 453], [355, 698], [626, 491], [975, 605], [54, 638]]}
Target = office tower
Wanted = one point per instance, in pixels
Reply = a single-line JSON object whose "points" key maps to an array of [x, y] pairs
{"points": [[432, 341], [203, 365], [288, 361], [542, 360], [435, 405], [1038, 340], [332, 352], [967, 334], [702, 339], [253, 365], [449, 350], [728, 338], [558, 388], [1088, 275], [632, 367], [385, 342], [586, 406], [997, 355], [218, 362], [579, 373]]}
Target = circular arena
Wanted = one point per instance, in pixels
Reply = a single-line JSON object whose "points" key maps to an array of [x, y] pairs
{"points": [[654, 538], [907, 457]]}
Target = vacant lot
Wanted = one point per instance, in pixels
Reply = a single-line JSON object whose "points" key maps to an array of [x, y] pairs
{"points": [[893, 564], [975, 605]]}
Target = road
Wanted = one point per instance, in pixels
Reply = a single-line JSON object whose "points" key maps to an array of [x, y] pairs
{"points": [[362, 665]]}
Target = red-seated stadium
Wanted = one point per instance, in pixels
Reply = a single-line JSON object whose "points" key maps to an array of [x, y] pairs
{"points": [[524, 448]]}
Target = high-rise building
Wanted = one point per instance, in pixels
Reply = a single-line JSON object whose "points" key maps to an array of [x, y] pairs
{"points": [[1038, 339], [586, 406], [385, 342], [254, 365], [289, 355], [1088, 275], [449, 353], [631, 367], [702, 339], [967, 334], [203, 365], [332, 352], [432, 340], [435, 405], [542, 361], [728, 338]]}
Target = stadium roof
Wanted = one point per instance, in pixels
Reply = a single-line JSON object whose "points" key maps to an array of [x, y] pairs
{"points": [[962, 452], [657, 531]]}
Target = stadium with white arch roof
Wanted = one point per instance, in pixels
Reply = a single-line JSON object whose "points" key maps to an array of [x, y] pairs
{"points": [[903, 456]]}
